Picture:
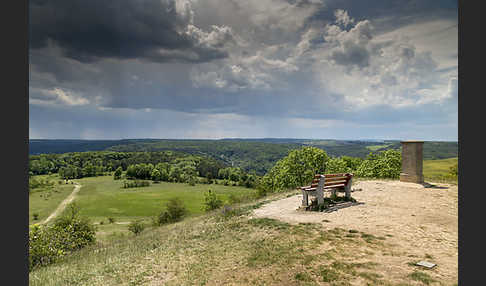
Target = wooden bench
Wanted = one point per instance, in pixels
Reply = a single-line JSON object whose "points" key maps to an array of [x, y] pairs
{"points": [[327, 183]]}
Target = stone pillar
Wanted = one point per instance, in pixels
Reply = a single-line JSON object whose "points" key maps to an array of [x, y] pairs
{"points": [[412, 162]]}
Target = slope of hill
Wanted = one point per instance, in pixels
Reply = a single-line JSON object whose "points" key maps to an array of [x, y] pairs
{"points": [[361, 245], [46, 146]]}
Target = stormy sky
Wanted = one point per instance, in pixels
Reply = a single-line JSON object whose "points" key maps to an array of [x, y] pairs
{"points": [[330, 69]]}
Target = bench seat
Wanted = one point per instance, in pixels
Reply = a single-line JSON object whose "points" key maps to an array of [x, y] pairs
{"points": [[327, 183]]}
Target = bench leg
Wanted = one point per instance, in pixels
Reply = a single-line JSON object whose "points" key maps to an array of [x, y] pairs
{"points": [[320, 191], [320, 198], [305, 199], [348, 188]]}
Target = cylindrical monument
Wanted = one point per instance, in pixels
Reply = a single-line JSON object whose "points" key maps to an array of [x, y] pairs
{"points": [[412, 161]]}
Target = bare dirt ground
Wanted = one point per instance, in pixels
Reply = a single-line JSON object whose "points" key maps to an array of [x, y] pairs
{"points": [[421, 223], [63, 204]]}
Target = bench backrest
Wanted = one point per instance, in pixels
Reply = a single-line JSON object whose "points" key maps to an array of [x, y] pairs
{"points": [[332, 179]]}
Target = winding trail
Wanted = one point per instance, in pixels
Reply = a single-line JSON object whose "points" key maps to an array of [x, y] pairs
{"points": [[63, 204]]}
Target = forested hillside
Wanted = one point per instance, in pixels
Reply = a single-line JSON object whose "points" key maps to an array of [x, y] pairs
{"points": [[88, 164], [251, 155]]}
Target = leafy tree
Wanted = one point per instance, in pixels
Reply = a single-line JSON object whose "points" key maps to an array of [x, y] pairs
{"points": [[385, 164], [191, 180], [211, 201], [352, 162], [337, 165], [118, 173], [175, 174], [156, 175], [131, 171], [297, 169]]}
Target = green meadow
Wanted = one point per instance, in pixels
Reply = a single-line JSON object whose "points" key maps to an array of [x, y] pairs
{"points": [[46, 201], [439, 169], [374, 148], [101, 198]]}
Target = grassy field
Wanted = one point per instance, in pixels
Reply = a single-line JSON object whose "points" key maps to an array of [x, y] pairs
{"points": [[438, 170], [45, 202], [101, 198], [373, 148]]}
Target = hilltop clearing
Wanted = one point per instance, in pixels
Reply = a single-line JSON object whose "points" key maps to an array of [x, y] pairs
{"points": [[375, 243], [418, 220]]}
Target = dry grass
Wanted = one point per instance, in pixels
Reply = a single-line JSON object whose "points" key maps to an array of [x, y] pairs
{"points": [[235, 249]]}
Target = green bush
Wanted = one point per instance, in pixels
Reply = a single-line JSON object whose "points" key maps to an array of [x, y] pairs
{"points": [[297, 169], [111, 220], [118, 173], [136, 227], [135, 184], [337, 165], [174, 211], [385, 164], [35, 216], [211, 201], [69, 233], [453, 171]]}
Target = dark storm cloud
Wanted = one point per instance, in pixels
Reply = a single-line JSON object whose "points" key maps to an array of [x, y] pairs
{"points": [[89, 30], [256, 68]]}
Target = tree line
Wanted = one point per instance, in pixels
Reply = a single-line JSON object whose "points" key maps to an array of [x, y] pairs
{"points": [[184, 170], [88, 164]]}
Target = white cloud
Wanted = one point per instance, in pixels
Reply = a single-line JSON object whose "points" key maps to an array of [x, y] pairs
{"points": [[342, 17], [57, 96], [362, 68]]}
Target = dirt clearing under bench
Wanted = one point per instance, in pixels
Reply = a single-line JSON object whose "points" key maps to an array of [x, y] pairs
{"points": [[421, 222]]}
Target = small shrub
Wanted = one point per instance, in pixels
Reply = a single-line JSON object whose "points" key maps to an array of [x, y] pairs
{"points": [[175, 211], [35, 216], [69, 233], [453, 171], [136, 227], [135, 184], [111, 220], [102, 222], [211, 201]]}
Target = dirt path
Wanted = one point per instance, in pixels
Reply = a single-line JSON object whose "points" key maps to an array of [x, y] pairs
{"points": [[63, 204], [419, 221]]}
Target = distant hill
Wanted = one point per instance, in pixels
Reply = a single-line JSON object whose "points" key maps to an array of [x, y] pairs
{"points": [[257, 155], [433, 150], [49, 146]]}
